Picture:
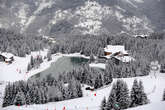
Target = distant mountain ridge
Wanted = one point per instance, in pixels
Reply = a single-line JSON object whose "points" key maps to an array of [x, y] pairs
{"points": [[53, 17]]}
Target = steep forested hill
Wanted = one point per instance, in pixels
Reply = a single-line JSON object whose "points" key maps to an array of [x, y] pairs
{"points": [[19, 44]]}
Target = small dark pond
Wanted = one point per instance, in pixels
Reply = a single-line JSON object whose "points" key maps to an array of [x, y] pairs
{"points": [[63, 64]]}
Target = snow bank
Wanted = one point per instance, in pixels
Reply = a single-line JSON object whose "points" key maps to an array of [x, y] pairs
{"points": [[153, 106], [98, 65], [76, 55]]}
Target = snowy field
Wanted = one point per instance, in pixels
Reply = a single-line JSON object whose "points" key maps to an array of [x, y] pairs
{"points": [[91, 100]]}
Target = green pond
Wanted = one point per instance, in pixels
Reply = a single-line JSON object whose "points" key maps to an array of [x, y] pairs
{"points": [[63, 64]]}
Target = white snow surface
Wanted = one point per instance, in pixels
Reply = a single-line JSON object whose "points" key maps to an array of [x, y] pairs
{"points": [[7, 55], [153, 106], [43, 4], [91, 15], [115, 48], [125, 58], [18, 69], [98, 65], [153, 85]]}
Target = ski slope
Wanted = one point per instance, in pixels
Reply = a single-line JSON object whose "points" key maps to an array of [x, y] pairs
{"points": [[153, 85]]}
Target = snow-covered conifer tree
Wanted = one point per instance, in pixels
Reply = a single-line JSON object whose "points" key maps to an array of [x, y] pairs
{"points": [[111, 103], [100, 52], [20, 99], [164, 96], [103, 104], [108, 73], [28, 100], [143, 96], [134, 94]]}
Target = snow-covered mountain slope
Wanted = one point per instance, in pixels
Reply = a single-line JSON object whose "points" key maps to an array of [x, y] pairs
{"points": [[50, 17], [18, 69], [153, 85]]}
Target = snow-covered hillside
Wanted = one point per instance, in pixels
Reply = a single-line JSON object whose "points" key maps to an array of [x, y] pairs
{"points": [[153, 85], [18, 69]]}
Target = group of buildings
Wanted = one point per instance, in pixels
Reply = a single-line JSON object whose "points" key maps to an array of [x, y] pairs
{"points": [[116, 53]]}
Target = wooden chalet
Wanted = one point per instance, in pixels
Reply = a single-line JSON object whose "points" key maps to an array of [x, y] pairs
{"points": [[116, 53], [6, 57]]}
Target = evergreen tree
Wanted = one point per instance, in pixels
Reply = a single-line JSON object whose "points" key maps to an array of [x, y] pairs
{"points": [[92, 58], [100, 52], [122, 92], [103, 104], [38, 96], [134, 94], [111, 103], [20, 99], [32, 61], [108, 73], [66, 93], [138, 96], [98, 82], [142, 95], [29, 67], [72, 88], [164, 96], [6, 99], [119, 96], [79, 90], [162, 68], [28, 100], [45, 97], [49, 55]]}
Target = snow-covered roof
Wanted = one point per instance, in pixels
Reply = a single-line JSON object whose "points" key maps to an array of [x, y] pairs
{"points": [[124, 58], [141, 35], [115, 48], [7, 55], [8, 59]]}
